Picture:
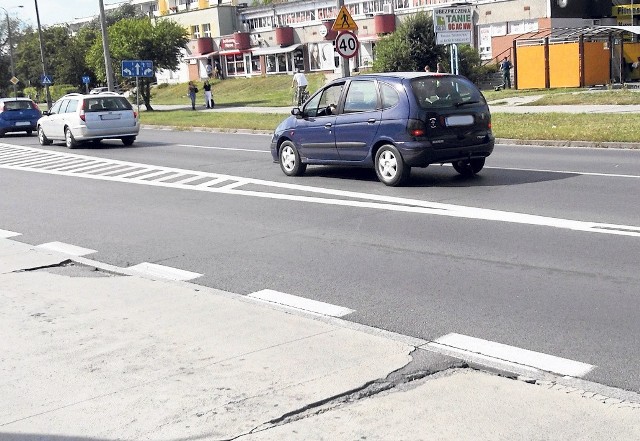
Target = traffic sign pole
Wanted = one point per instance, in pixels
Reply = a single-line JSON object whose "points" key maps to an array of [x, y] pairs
{"points": [[344, 22]]}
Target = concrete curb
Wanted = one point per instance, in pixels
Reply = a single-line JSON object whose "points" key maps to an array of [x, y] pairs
{"points": [[580, 144]]}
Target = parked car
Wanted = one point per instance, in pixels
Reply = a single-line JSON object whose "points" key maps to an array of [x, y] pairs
{"points": [[97, 90], [76, 118], [391, 122], [18, 115]]}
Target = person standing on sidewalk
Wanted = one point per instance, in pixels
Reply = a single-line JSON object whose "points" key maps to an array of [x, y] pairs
{"points": [[505, 67], [208, 97], [192, 94]]}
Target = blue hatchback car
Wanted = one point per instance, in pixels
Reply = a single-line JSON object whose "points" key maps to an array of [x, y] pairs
{"points": [[391, 122], [18, 115]]}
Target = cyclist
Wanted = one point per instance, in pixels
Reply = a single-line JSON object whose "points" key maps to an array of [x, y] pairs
{"points": [[300, 81]]}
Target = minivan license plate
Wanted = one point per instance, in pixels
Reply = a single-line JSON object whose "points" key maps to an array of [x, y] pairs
{"points": [[459, 120], [109, 116]]}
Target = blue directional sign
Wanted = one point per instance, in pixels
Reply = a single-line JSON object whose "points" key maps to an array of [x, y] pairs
{"points": [[46, 79], [137, 68], [86, 79]]}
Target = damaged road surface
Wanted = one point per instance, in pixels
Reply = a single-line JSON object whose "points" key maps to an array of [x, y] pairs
{"points": [[147, 359], [89, 354]]}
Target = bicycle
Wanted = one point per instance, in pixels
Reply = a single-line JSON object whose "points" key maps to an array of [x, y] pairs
{"points": [[296, 100]]}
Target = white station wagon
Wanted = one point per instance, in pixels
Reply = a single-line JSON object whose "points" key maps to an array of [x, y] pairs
{"points": [[76, 118]]}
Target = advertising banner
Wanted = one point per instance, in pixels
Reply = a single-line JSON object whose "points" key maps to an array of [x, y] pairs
{"points": [[453, 25]]}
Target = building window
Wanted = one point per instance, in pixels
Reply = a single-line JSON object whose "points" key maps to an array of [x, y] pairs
{"points": [[195, 31], [206, 29], [235, 64]]}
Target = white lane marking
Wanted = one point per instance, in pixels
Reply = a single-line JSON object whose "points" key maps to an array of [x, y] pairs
{"points": [[344, 198], [463, 344], [210, 147], [5, 234], [155, 271], [65, 248], [295, 302]]}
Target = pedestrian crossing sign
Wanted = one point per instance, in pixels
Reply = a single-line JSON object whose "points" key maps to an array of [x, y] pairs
{"points": [[344, 22]]}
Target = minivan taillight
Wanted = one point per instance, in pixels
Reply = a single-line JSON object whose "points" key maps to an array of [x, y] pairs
{"points": [[416, 128]]}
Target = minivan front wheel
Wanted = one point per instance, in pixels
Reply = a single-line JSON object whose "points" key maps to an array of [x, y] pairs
{"points": [[469, 167], [290, 162], [390, 167], [69, 140]]}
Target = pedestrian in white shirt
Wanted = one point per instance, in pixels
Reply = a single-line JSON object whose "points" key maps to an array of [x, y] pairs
{"points": [[300, 81]]}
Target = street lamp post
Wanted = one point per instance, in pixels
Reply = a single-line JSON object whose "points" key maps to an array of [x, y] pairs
{"points": [[42, 57], [13, 70]]}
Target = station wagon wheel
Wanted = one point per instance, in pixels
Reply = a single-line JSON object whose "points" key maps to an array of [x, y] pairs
{"points": [[469, 167], [42, 138], [128, 140], [390, 167], [69, 140], [290, 162]]}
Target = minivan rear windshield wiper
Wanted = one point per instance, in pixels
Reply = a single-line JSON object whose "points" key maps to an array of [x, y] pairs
{"points": [[462, 103]]}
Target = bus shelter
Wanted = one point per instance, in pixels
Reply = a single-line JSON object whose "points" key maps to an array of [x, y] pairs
{"points": [[576, 57]]}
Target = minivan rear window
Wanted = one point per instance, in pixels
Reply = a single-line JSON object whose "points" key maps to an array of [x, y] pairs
{"points": [[445, 91]]}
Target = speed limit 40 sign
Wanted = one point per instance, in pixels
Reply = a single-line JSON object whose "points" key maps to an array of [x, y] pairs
{"points": [[347, 44]]}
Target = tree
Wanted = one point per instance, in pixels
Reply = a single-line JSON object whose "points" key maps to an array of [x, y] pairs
{"points": [[65, 58], [410, 48], [140, 39], [17, 31]]}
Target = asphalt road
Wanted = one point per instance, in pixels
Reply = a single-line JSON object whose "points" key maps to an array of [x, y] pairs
{"points": [[420, 260]]}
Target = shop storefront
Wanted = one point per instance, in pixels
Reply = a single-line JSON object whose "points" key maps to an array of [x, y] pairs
{"points": [[279, 59]]}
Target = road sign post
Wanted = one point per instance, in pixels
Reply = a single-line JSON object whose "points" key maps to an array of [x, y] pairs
{"points": [[344, 24], [86, 80], [137, 68]]}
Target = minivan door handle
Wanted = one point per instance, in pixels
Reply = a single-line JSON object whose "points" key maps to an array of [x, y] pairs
{"points": [[371, 120], [328, 125]]}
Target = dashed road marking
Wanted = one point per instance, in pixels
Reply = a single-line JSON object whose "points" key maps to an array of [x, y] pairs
{"points": [[5, 234], [144, 174], [156, 271], [65, 248], [464, 346], [300, 303]]}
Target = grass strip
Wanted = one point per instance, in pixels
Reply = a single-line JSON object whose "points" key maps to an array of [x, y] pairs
{"points": [[598, 127], [188, 119]]}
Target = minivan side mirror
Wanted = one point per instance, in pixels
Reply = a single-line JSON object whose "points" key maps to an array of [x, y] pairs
{"points": [[45, 113], [297, 112]]}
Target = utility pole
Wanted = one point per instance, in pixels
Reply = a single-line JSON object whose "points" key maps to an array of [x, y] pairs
{"points": [[42, 57], [105, 47]]}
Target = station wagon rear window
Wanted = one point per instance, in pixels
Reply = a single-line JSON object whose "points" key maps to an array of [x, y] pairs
{"points": [[107, 103]]}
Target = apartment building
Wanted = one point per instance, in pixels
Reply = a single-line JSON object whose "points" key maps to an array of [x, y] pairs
{"points": [[278, 38]]}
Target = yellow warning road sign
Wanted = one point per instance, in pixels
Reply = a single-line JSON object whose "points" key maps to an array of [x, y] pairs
{"points": [[344, 22]]}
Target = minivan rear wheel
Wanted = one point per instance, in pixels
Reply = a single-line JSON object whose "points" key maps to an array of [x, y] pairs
{"points": [[290, 162], [469, 167], [128, 140], [390, 167]]}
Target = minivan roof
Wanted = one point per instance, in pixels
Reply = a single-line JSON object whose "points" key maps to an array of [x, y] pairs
{"points": [[407, 75]]}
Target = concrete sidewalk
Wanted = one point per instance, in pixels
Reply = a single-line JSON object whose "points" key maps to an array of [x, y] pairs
{"points": [[94, 352]]}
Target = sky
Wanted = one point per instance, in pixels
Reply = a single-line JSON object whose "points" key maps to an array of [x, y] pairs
{"points": [[52, 11]]}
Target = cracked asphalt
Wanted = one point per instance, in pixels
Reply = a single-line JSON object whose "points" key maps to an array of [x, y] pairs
{"points": [[94, 352]]}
